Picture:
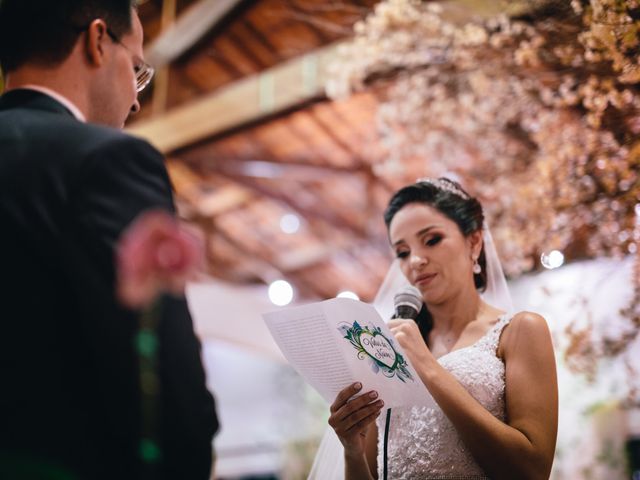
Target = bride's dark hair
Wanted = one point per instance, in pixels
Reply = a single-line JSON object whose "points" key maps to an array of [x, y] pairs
{"points": [[450, 199]]}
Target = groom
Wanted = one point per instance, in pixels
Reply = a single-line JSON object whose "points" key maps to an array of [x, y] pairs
{"points": [[69, 184]]}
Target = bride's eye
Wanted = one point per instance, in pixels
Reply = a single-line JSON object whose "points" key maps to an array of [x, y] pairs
{"points": [[433, 240], [402, 254]]}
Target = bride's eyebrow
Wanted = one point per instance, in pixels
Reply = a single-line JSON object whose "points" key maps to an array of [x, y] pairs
{"points": [[418, 234]]}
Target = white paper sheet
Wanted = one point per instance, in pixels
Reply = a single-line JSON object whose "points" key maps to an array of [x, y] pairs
{"points": [[340, 341]]}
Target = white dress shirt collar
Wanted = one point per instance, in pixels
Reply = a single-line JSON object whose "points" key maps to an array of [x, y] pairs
{"points": [[59, 98]]}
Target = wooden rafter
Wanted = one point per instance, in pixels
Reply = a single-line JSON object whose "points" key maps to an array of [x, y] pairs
{"points": [[273, 91], [192, 25], [223, 200], [321, 213], [161, 82], [188, 183], [288, 170], [263, 266]]}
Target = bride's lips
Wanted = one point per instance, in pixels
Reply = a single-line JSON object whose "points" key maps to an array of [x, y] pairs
{"points": [[424, 279]]}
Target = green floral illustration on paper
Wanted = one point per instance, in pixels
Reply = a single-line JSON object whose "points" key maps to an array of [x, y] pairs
{"points": [[373, 345]]}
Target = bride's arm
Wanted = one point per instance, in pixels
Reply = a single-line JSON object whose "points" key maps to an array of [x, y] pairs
{"points": [[524, 446]]}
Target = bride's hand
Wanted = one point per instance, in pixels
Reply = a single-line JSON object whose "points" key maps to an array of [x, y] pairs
{"points": [[408, 335], [351, 417]]}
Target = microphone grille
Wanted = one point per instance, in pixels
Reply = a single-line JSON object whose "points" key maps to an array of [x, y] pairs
{"points": [[409, 296]]}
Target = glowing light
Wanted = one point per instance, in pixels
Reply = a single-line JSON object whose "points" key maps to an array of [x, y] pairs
{"points": [[348, 294], [280, 293], [552, 259], [290, 223]]}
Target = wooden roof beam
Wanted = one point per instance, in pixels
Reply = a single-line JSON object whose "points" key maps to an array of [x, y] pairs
{"points": [[320, 213], [285, 170], [187, 184], [223, 200], [273, 91], [265, 268], [198, 20]]}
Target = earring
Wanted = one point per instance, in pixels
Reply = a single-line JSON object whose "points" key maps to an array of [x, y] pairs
{"points": [[476, 267]]}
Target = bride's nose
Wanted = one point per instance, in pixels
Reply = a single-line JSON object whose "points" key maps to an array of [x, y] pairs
{"points": [[417, 260]]}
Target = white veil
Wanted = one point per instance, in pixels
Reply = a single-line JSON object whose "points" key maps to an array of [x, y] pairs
{"points": [[329, 461]]}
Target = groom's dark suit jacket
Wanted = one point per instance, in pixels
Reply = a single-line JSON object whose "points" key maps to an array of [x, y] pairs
{"points": [[69, 384]]}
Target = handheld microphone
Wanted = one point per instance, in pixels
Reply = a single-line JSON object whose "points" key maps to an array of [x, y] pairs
{"points": [[407, 302]]}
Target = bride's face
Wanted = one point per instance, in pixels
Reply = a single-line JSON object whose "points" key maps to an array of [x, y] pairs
{"points": [[433, 253]]}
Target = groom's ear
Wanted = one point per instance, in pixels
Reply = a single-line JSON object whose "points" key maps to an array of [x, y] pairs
{"points": [[95, 39]]}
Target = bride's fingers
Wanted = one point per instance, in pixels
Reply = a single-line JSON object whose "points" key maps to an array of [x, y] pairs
{"points": [[361, 426], [348, 410], [344, 395], [355, 404], [401, 326], [347, 418]]}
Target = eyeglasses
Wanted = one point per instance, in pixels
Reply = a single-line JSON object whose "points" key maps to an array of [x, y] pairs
{"points": [[143, 71]]}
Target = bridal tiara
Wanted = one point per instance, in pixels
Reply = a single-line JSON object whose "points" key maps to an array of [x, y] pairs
{"points": [[444, 184]]}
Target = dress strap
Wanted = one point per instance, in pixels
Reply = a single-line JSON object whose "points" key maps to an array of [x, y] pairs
{"points": [[492, 338]]}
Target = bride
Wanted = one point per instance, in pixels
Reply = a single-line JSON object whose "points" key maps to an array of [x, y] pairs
{"points": [[490, 371]]}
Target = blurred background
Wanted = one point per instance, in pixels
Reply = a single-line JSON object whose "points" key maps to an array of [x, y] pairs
{"points": [[288, 124]]}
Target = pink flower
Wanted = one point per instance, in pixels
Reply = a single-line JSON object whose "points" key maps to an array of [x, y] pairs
{"points": [[154, 255]]}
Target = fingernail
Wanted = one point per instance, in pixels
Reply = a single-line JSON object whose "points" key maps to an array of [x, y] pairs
{"points": [[381, 403], [358, 386], [373, 394]]}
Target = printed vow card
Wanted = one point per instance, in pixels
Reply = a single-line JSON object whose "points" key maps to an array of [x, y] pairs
{"points": [[340, 341]]}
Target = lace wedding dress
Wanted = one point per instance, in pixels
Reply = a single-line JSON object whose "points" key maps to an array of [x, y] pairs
{"points": [[423, 443]]}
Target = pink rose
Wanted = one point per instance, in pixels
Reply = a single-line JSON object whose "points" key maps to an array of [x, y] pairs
{"points": [[155, 254]]}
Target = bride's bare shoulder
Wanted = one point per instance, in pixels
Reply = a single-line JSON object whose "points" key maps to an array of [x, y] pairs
{"points": [[527, 331], [529, 320]]}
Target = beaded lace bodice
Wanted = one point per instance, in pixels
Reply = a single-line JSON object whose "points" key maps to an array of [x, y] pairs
{"points": [[423, 443]]}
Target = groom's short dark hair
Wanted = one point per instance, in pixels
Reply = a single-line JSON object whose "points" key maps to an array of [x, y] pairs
{"points": [[45, 31]]}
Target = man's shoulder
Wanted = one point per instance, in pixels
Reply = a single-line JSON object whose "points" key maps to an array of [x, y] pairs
{"points": [[65, 133], [101, 138], [93, 137]]}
